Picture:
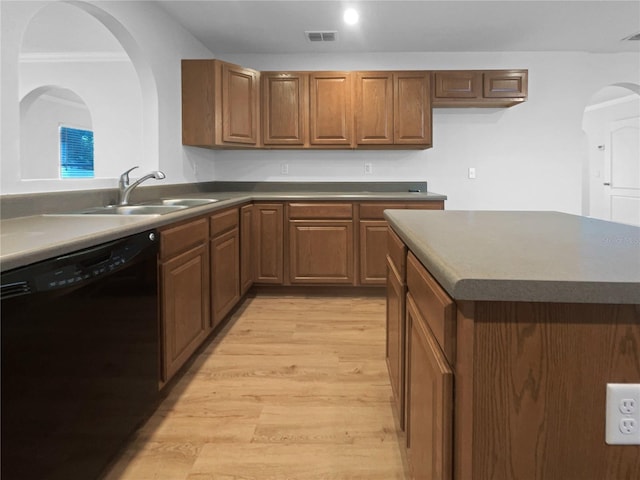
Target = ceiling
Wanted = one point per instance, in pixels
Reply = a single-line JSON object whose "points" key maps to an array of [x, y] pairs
{"points": [[244, 26]]}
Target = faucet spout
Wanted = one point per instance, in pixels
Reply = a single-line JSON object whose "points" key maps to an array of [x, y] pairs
{"points": [[125, 189]]}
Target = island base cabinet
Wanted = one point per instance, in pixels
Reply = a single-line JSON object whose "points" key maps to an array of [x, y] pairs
{"points": [[429, 402], [523, 371], [395, 337]]}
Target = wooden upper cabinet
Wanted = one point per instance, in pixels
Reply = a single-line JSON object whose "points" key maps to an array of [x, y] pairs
{"points": [[220, 104], [393, 108], [458, 84], [374, 108], [239, 99], [330, 108], [285, 98], [479, 88], [412, 108], [505, 84]]}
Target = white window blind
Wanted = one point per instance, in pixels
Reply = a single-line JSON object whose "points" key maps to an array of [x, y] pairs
{"points": [[76, 153]]}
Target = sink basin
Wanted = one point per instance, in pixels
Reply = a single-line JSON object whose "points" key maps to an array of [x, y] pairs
{"points": [[185, 202], [132, 210]]}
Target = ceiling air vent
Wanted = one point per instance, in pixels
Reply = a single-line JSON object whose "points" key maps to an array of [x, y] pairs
{"points": [[328, 36], [631, 38]]}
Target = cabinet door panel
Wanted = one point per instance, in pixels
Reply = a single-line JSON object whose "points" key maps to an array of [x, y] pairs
{"points": [[225, 274], [330, 108], [321, 251], [374, 108], [505, 84], [198, 100], [268, 243], [246, 248], [185, 307], [412, 108], [373, 251], [284, 108], [396, 337], [239, 105], [458, 84], [429, 401]]}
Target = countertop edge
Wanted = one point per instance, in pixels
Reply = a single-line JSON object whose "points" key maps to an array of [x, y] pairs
{"points": [[510, 290]]}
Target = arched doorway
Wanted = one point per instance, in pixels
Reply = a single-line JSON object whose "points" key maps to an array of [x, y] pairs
{"points": [[611, 123]]}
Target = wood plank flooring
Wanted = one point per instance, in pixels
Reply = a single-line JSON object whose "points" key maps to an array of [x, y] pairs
{"points": [[294, 387]]}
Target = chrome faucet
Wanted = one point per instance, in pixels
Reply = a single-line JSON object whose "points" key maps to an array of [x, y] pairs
{"points": [[125, 189]]}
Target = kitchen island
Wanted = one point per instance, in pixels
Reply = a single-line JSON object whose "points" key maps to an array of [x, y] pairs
{"points": [[504, 329]]}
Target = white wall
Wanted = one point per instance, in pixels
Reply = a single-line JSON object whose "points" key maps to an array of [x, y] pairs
{"points": [[527, 157], [42, 121], [111, 91], [155, 43]]}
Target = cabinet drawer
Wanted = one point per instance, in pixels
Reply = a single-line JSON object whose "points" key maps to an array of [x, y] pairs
{"points": [[431, 205], [434, 305], [397, 252], [183, 237], [320, 210], [224, 221], [374, 211]]}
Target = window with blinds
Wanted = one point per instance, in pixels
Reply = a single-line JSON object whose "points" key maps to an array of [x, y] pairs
{"points": [[76, 153]]}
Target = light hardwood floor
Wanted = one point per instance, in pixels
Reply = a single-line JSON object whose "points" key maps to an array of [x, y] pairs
{"points": [[293, 388]]}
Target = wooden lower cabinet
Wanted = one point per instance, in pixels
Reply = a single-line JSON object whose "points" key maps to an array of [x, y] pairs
{"points": [[268, 247], [246, 248], [429, 401], [184, 287], [373, 237], [492, 387], [321, 251], [225, 274], [373, 248], [396, 291]]}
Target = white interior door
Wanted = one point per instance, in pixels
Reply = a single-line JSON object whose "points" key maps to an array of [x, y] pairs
{"points": [[622, 171]]}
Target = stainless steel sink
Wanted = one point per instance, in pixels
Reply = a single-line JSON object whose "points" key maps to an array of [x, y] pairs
{"points": [[131, 210], [185, 202]]}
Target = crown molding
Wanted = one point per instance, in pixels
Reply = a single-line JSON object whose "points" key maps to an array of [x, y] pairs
{"points": [[69, 57]]}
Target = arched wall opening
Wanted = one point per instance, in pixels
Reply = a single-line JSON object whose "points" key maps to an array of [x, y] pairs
{"points": [[611, 183], [102, 64]]}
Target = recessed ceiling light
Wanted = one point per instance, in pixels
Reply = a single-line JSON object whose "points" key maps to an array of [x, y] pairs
{"points": [[350, 16]]}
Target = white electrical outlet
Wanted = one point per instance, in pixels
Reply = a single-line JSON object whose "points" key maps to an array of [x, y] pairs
{"points": [[368, 168], [623, 414], [284, 168], [472, 172]]}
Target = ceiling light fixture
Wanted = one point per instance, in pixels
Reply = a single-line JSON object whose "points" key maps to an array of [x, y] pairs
{"points": [[350, 16]]}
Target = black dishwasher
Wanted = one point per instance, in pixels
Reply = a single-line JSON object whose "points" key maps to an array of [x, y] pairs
{"points": [[80, 358]]}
